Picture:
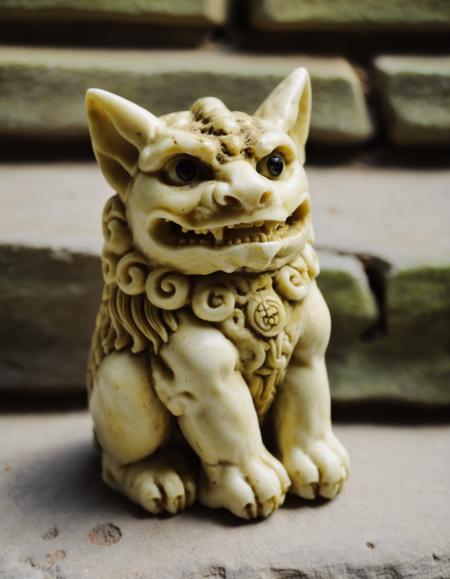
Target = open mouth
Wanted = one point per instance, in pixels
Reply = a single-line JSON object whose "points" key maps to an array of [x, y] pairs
{"points": [[175, 234]]}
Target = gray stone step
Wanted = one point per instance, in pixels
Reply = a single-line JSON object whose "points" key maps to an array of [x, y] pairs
{"points": [[47, 87], [174, 12], [415, 95], [392, 519], [349, 15], [110, 22], [372, 230]]}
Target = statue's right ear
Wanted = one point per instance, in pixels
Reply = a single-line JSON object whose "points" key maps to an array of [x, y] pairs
{"points": [[119, 130]]}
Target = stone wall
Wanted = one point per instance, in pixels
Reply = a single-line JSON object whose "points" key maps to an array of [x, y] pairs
{"points": [[378, 161]]}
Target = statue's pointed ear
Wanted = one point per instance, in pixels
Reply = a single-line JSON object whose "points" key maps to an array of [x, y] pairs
{"points": [[119, 130], [289, 106]]}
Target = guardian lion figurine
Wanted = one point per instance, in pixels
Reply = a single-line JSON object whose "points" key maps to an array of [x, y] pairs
{"points": [[211, 330]]}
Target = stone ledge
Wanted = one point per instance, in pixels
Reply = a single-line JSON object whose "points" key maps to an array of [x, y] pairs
{"points": [[383, 524], [173, 12], [168, 23], [363, 219], [349, 15], [47, 88], [48, 303], [415, 96]]}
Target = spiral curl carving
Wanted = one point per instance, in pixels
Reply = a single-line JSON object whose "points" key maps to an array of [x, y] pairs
{"points": [[311, 260], [213, 302], [114, 209], [109, 266], [292, 283], [131, 273], [167, 289]]}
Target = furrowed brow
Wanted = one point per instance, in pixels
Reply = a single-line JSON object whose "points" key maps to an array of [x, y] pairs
{"points": [[155, 156], [277, 140]]}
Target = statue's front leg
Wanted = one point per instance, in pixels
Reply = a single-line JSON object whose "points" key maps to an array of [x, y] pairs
{"points": [[197, 379], [315, 460]]}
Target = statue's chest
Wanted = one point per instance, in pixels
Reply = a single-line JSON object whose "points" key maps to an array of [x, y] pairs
{"points": [[261, 315], [265, 332], [259, 312]]}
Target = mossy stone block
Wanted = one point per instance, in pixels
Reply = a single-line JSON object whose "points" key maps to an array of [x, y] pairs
{"points": [[351, 15], [42, 90], [174, 12], [415, 96]]}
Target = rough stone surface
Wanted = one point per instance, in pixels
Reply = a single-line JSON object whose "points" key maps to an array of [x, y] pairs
{"points": [[392, 520], [48, 303], [415, 95], [157, 23], [408, 361], [418, 331], [397, 215], [378, 216], [350, 15], [52, 281], [47, 88], [199, 12]]}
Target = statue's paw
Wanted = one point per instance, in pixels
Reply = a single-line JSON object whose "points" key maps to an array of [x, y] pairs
{"points": [[317, 467], [254, 488], [160, 484]]}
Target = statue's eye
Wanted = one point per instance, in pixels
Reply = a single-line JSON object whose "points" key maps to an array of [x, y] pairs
{"points": [[271, 166], [275, 165], [186, 170]]}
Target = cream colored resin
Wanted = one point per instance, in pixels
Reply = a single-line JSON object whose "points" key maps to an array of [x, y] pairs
{"points": [[211, 328]]}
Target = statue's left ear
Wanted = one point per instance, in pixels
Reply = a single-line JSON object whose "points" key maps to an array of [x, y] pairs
{"points": [[289, 106]]}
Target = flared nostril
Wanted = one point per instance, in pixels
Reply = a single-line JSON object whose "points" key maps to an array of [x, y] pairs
{"points": [[265, 198], [224, 197], [230, 201]]}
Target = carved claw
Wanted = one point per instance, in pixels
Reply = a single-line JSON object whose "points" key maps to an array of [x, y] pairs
{"points": [[252, 489], [159, 484], [318, 467]]}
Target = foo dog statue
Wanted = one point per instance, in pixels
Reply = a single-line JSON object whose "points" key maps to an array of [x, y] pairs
{"points": [[211, 329]]}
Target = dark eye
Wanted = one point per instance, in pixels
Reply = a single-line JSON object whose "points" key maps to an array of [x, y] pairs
{"points": [[275, 165], [271, 166], [186, 170]]}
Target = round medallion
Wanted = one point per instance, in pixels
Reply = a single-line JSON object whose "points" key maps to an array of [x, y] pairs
{"points": [[266, 314]]}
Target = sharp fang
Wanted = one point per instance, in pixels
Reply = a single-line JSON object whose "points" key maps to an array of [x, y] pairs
{"points": [[218, 234]]}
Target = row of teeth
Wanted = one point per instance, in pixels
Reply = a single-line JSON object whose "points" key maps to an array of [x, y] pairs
{"points": [[278, 231], [269, 229]]}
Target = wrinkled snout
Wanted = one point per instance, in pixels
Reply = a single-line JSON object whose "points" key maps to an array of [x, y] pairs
{"points": [[242, 188]]}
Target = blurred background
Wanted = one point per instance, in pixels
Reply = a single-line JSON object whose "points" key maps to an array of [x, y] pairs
{"points": [[378, 160]]}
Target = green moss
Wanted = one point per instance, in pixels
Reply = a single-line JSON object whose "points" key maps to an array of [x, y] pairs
{"points": [[420, 292]]}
